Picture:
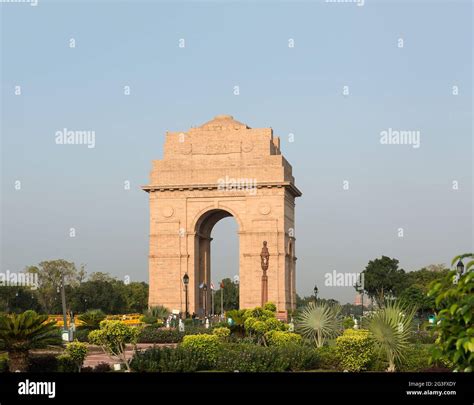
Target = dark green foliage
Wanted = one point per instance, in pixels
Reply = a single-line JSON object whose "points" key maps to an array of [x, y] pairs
{"points": [[43, 363], [91, 319], [18, 299], [3, 363], [231, 296], [455, 305], [65, 364], [160, 334], [328, 359], [383, 278], [82, 335], [102, 368], [166, 360]]}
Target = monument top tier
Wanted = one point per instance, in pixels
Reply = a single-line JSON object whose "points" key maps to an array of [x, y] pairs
{"points": [[223, 122], [218, 148]]}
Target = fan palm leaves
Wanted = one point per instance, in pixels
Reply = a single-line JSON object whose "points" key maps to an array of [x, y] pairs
{"points": [[91, 319], [20, 333], [319, 322], [391, 327]]}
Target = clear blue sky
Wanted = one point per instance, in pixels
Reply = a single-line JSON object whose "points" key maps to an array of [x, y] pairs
{"points": [[297, 90]]}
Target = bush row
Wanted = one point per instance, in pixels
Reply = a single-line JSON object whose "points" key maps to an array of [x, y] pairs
{"points": [[153, 334], [194, 356]]}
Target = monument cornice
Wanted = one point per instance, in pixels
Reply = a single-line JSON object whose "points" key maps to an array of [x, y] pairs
{"points": [[214, 186]]}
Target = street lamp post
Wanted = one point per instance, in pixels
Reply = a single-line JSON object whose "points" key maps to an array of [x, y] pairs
{"points": [[204, 289], [63, 301], [222, 298], [316, 294], [460, 268], [186, 282]]}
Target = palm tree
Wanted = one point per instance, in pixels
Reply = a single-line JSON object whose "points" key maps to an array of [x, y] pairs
{"points": [[154, 314], [19, 333], [91, 319], [391, 327], [319, 322]]}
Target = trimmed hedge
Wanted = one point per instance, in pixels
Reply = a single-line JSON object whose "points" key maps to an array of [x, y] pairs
{"points": [[280, 338], [355, 350], [154, 334], [207, 346], [230, 357], [166, 359]]}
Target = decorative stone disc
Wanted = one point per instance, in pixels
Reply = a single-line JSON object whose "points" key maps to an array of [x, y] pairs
{"points": [[247, 146], [264, 208], [167, 211]]}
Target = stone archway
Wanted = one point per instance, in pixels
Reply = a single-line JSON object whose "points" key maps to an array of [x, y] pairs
{"points": [[222, 168], [202, 257]]}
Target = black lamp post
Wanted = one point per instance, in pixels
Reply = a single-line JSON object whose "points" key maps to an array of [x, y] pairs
{"points": [[186, 282], [316, 294], [460, 268]]}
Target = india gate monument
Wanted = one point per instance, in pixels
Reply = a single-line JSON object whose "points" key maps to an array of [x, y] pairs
{"points": [[222, 168]]}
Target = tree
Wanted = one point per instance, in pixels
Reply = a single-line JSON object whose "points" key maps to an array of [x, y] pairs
{"points": [[112, 337], [18, 299], [391, 327], [100, 294], [231, 296], [19, 333], [136, 296], [415, 297], [319, 322], [49, 281], [383, 279], [454, 299]]}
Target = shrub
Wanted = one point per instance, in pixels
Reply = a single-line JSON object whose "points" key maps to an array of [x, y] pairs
{"points": [[82, 335], [417, 358], [223, 333], [423, 337], [3, 363], [167, 360], [300, 357], [270, 306], [355, 350], [65, 364], [91, 319], [102, 368], [206, 345], [43, 363], [113, 337], [251, 358], [454, 297], [348, 322], [152, 334], [280, 338], [155, 315], [156, 334], [327, 358], [76, 352]]}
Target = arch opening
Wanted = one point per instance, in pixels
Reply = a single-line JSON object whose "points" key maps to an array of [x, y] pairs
{"points": [[206, 302]]}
